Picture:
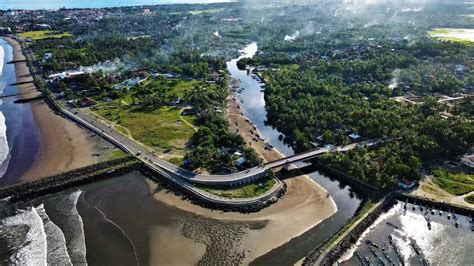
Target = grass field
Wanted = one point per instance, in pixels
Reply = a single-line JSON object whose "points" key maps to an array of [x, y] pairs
{"points": [[161, 128], [43, 34], [465, 36], [246, 191], [456, 183], [116, 154], [469, 199], [173, 87]]}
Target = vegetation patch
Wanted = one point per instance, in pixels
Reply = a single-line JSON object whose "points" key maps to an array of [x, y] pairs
{"points": [[469, 199], [155, 123], [159, 128], [456, 183], [176, 161], [246, 191], [44, 34], [117, 154]]}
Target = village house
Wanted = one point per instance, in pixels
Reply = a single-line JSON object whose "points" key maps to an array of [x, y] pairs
{"points": [[86, 102], [47, 57]]}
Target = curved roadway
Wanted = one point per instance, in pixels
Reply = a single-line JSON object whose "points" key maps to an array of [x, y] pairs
{"points": [[163, 166]]}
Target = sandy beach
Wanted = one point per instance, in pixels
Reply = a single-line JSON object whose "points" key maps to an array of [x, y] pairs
{"points": [[63, 145], [304, 205]]}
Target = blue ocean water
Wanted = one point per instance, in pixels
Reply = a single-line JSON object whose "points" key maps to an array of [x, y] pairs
{"points": [[56, 4]]}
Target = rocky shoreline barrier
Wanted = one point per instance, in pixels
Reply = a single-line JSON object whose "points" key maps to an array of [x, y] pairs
{"points": [[69, 179], [413, 199], [337, 251], [117, 167], [351, 181], [186, 195]]}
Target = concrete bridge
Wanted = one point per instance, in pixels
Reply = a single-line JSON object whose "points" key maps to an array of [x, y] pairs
{"points": [[254, 173], [168, 169]]}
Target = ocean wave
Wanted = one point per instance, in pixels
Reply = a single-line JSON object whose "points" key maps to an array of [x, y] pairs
{"points": [[24, 235], [56, 242], [120, 229], [63, 212], [2, 61], [4, 149]]}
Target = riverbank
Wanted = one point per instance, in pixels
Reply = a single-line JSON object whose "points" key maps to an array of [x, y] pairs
{"points": [[63, 145], [304, 199]]}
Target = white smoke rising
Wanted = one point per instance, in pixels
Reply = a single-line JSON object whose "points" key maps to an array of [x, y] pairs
{"points": [[414, 9], [216, 34], [109, 66], [394, 81], [291, 38]]}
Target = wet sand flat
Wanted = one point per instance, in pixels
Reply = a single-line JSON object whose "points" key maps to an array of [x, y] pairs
{"points": [[304, 206], [64, 145]]}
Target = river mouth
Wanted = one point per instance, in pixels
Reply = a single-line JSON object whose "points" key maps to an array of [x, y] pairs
{"points": [[123, 220]]}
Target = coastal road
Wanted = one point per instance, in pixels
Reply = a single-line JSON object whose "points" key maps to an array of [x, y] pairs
{"points": [[148, 157]]}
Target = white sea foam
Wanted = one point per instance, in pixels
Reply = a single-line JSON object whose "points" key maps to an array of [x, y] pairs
{"points": [[25, 224], [2, 60], [56, 242], [71, 224], [4, 149]]}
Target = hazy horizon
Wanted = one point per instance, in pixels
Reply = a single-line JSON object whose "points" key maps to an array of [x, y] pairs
{"points": [[56, 4]]}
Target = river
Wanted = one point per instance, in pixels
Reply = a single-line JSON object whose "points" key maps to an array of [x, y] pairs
{"points": [[436, 244], [347, 201]]}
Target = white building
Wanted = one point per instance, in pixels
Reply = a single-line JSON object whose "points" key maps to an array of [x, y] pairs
{"points": [[468, 160]]}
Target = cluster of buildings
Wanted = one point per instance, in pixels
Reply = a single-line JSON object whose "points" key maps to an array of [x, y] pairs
{"points": [[29, 20]]}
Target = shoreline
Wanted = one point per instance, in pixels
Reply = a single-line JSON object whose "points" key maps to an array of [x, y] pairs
{"points": [[63, 145]]}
